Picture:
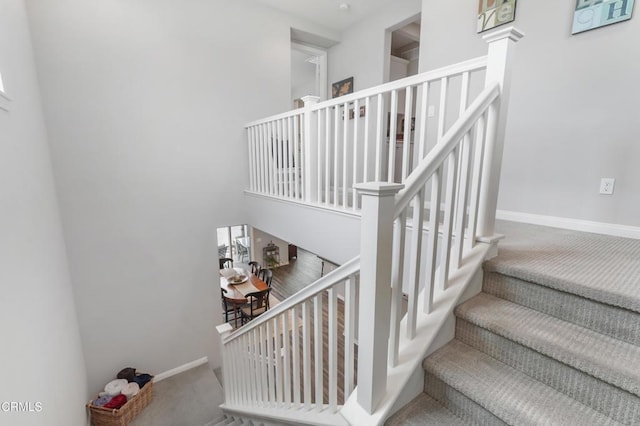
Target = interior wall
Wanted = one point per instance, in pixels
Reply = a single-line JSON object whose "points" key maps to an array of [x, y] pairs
{"points": [[572, 112], [145, 103], [303, 75], [42, 363], [361, 52]]}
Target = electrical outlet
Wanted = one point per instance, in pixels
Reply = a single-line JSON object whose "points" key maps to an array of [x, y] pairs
{"points": [[431, 111], [606, 185]]}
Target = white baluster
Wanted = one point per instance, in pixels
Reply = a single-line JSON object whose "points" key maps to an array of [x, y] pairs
{"points": [[397, 278], [392, 136], [415, 253], [449, 206], [327, 157], [354, 180], [349, 334], [432, 241], [278, 359], [406, 137], [317, 345], [306, 355], [333, 349], [295, 330], [424, 106], [367, 113], [310, 147], [379, 137], [286, 360]]}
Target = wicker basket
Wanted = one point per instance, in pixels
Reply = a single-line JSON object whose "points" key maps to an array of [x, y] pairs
{"points": [[101, 416]]}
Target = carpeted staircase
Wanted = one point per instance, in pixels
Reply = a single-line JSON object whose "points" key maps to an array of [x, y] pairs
{"points": [[553, 339]]}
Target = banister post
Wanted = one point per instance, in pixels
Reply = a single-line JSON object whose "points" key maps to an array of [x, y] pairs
{"points": [[310, 175], [500, 60], [225, 330], [376, 242]]}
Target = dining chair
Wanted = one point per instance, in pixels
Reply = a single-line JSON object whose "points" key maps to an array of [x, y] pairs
{"points": [[266, 275], [229, 308], [226, 262], [258, 304], [255, 267], [242, 251]]}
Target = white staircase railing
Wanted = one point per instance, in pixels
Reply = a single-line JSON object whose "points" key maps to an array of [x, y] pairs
{"points": [[278, 363], [317, 153]]}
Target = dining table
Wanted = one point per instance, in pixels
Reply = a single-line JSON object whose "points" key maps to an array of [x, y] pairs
{"points": [[235, 292]]}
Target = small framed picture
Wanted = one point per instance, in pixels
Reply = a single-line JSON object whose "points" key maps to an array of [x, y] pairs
{"points": [[342, 87], [493, 13], [590, 14]]}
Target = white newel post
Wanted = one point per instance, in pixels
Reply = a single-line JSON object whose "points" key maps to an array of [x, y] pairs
{"points": [[310, 150], [224, 330], [500, 60], [376, 242]]}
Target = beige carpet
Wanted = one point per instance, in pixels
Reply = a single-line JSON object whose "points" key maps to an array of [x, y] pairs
{"points": [[191, 398], [553, 339]]}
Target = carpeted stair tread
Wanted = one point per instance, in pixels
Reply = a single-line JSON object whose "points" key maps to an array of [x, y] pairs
{"points": [[613, 321], [610, 400], [598, 267], [606, 358], [424, 411], [512, 396]]}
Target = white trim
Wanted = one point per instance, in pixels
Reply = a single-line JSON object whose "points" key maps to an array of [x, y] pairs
{"points": [[321, 207], [613, 229], [180, 369]]}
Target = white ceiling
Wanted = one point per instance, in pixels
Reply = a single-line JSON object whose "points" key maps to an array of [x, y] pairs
{"points": [[327, 12]]}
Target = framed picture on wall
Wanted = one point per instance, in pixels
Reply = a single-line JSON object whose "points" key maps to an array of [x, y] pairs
{"points": [[493, 13], [590, 14], [342, 87]]}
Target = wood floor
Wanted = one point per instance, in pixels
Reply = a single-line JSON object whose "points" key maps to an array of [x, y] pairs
{"points": [[299, 273], [289, 279]]}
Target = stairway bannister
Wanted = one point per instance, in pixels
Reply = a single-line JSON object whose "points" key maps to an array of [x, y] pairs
{"points": [[312, 156], [499, 70]]}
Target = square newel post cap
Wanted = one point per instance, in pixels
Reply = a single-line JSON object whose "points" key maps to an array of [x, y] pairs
{"points": [[380, 189], [511, 32], [310, 100]]}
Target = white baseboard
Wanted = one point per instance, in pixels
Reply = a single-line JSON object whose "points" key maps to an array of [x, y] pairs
{"points": [[573, 224], [180, 369]]}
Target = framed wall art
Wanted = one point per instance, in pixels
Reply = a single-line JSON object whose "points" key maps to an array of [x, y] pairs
{"points": [[342, 87], [492, 13], [590, 14]]}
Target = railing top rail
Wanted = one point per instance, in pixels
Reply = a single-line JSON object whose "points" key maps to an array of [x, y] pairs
{"points": [[448, 71], [292, 113], [332, 278], [434, 159], [437, 74]]}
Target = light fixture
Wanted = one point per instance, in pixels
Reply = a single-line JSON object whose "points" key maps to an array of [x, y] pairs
{"points": [[345, 6]]}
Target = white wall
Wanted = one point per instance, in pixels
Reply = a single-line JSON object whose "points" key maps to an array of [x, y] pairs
{"points": [[41, 359], [145, 103], [573, 116], [334, 236], [361, 52], [303, 75], [261, 239]]}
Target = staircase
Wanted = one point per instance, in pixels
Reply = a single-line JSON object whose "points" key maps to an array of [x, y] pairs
{"points": [[554, 338]]}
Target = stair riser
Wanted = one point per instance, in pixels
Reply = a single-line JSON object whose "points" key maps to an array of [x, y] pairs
{"points": [[609, 320], [607, 399], [458, 403]]}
